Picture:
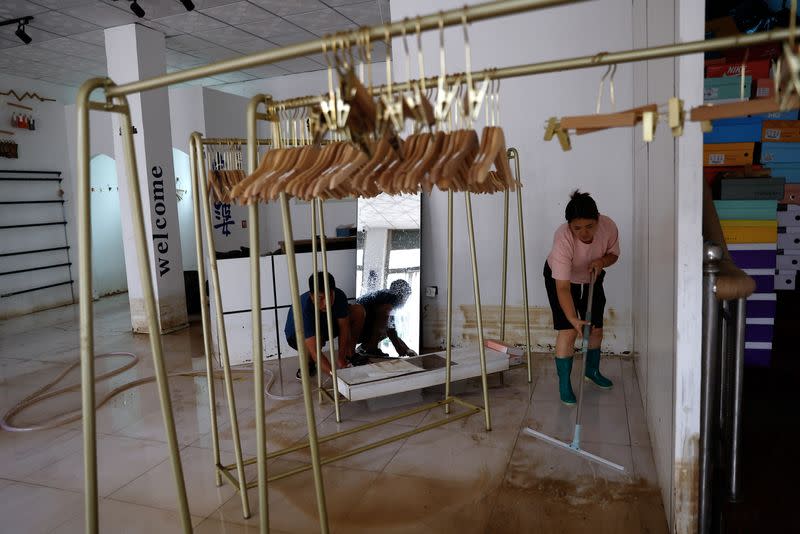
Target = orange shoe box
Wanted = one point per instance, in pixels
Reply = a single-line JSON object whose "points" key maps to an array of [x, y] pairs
{"points": [[728, 154], [782, 131]]}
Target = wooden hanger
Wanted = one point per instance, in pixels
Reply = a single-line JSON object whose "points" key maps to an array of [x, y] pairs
{"points": [[416, 105], [373, 183], [709, 112], [413, 151], [282, 160], [583, 124], [436, 170], [264, 166], [268, 188], [327, 155], [361, 119], [249, 192], [351, 160]]}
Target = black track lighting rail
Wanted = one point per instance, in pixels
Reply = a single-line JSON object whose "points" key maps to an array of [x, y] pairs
{"points": [[139, 11], [21, 22]]}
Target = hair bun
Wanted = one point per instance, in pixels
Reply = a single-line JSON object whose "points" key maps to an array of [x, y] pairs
{"points": [[581, 206]]}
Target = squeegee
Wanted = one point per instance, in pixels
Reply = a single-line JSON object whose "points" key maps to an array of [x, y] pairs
{"points": [[575, 446]]}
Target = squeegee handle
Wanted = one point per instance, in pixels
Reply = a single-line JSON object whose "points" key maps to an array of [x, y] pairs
{"points": [[587, 330]]}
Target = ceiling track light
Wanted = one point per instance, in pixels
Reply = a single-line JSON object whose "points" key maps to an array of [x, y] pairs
{"points": [[188, 4], [137, 9], [21, 23], [23, 36]]}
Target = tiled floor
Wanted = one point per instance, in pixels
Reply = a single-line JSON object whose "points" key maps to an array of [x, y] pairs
{"points": [[455, 478]]}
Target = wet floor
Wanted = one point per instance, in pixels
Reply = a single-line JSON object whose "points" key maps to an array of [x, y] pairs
{"points": [[454, 478]]}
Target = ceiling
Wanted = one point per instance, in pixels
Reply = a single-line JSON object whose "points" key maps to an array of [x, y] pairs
{"points": [[399, 212], [68, 39]]}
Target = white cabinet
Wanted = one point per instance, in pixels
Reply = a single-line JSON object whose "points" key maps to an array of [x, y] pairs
{"points": [[276, 299]]}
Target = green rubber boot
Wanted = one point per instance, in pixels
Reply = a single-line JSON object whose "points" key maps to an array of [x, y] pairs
{"points": [[564, 368], [593, 370]]}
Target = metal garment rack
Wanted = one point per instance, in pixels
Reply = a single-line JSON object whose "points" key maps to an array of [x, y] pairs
{"points": [[202, 205], [513, 153], [115, 101], [50, 176], [314, 440], [202, 209], [203, 232]]}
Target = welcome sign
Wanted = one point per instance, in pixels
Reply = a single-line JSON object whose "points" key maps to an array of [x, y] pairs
{"points": [[136, 52]]}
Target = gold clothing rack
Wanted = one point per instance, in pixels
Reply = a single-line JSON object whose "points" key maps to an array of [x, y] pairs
{"points": [[229, 140], [203, 224], [115, 100], [487, 10], [580, 62]]}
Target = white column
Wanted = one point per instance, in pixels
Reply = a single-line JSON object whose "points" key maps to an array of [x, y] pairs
{"points": [[375, 259], [136, 52], [689, 26]]}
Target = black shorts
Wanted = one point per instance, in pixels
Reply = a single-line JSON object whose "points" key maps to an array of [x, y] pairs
{"points": [[580, 296]]}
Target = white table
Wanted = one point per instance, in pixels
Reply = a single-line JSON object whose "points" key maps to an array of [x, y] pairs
{"points": [[368, 381]]}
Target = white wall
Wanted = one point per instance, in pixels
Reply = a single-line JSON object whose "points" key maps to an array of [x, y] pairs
{"points": [[108, 260], [186, 117], [225, 116], [109, 264], [654, 220], [601, 164], [108, 257], [42, 149], [666, 290]]}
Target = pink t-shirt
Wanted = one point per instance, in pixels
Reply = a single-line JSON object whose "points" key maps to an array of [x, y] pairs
{"points": [[570, 257]]}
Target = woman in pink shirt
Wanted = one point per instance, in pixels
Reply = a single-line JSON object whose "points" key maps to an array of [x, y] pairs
{"points": [[585, 245]]}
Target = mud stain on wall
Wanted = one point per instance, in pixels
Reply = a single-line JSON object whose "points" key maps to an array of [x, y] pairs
{"points": [[687, 483], [172, 314], [465, 325]]}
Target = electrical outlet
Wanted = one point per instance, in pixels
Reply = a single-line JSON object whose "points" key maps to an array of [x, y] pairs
{"points": [[431, 291]]}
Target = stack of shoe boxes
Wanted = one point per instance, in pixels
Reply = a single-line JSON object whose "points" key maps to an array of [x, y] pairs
{"points": [[781, 154], [751, 232], [733, 142], [747, 195]]}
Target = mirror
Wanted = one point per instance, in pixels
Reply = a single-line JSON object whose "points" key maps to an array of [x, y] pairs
{"points": [[388, 258]]}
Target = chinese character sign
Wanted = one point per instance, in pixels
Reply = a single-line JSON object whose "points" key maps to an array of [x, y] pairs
{"points": [[222, 213]]}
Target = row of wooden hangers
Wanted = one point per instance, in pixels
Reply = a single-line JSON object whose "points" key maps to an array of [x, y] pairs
{"points": [[367, 156], [787, 96], [225, 164]]}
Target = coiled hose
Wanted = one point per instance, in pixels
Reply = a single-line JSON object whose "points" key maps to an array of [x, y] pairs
{"points": [[43, 393]]}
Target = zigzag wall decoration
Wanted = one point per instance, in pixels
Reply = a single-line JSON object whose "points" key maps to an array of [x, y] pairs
{"points": [[25, 95]]}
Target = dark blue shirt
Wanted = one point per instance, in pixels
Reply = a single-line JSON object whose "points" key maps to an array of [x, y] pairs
{"points": [[340, 311]]}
